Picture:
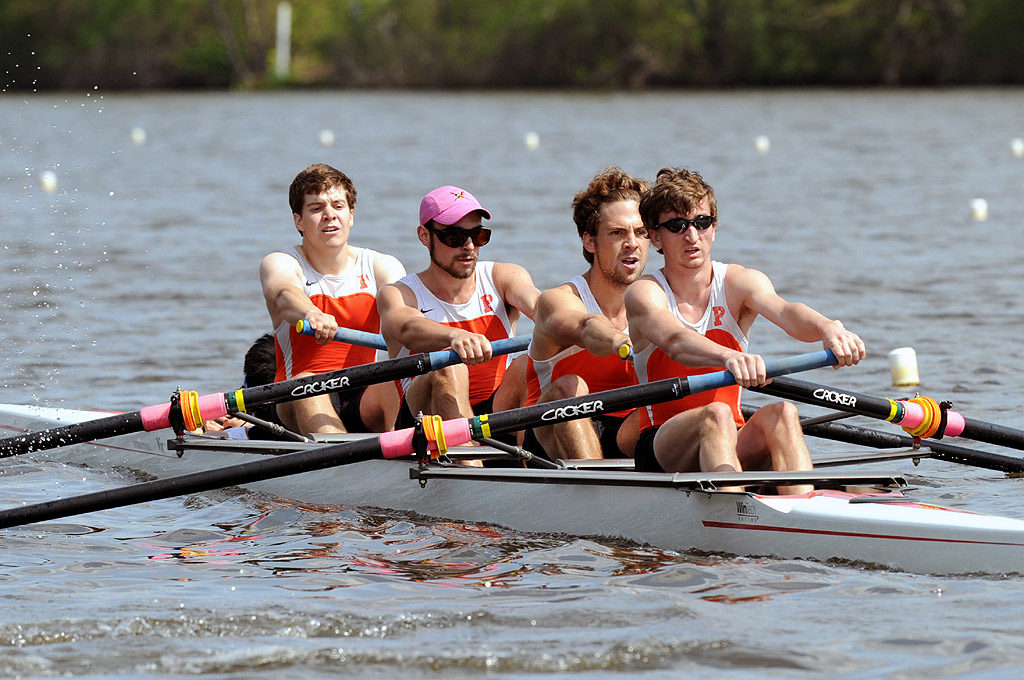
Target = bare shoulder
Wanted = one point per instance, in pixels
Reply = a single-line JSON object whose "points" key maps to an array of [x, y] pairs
{"points": [[278, 263], [746, 279], [396, 294], [645, 289], [563, 297], [387, 268], [510, 272]]}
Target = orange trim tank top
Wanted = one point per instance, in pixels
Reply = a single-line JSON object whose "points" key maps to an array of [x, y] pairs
{"points": [[484, 313], [717, 324], [600, 373], [351, 299]]}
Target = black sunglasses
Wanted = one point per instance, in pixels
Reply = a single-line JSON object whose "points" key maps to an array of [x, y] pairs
{"points": [[455, 237], [678, 224]]}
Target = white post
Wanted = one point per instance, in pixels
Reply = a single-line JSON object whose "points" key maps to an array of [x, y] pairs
{"points": [[284, 39]]}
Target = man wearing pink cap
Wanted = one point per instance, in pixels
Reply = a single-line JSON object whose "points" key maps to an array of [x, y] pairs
{"points": [[457, 302]]}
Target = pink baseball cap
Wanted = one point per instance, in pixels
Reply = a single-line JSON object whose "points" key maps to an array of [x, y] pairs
{"points": [[448, 205]]}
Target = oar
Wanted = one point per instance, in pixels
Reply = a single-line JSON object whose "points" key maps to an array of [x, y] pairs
{"points": [[399, 443], [921, 417], [188, 410], [349, 335], [852, 434]]}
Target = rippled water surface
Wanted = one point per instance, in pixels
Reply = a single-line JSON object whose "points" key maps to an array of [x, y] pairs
{"points": [[139, 274]]}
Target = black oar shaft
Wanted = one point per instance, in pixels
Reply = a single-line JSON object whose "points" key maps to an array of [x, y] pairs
{"points": [[601, 403], [76, 433], [267, 467], [862, 436], [881, 408], [337, 381]]}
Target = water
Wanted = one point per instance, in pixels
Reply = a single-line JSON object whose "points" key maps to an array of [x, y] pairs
{"points": [[139, 274]]}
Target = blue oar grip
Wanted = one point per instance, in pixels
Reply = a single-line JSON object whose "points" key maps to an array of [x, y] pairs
{"points": [[349, 335], [448, 357], [775, 367]]}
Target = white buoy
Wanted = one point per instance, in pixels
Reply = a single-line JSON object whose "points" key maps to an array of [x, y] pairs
{"points": [[531, 140], [979, 209], [903, 367], [1017, 147], [326, 138], [762, 144], [138, 136], [48, 181]]}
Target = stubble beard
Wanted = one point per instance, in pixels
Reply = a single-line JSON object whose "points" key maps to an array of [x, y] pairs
{"points": [[452, 268], [614, 275]]}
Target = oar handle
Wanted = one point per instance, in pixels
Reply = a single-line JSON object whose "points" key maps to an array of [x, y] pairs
{"points": [[348, 335], [449, 357], [774, 367]]}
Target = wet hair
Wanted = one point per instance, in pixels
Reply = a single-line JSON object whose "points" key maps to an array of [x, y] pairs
{"points": [[675, 189], [260, 362], [316, 179], [608, 186]]}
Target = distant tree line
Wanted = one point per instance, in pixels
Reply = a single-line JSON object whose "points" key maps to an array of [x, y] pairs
{"points": [[156, 44]]}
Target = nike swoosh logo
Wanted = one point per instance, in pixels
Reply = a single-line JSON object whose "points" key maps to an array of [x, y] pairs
{"points": [[310, 283], [424, 311]]}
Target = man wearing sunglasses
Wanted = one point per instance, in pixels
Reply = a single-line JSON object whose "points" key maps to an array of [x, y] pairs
{"points": [[460, 302], [327, 282], [694, 316], [581, 334]]}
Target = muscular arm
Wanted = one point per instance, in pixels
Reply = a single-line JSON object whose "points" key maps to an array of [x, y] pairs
{"points": [[563, 320], [387, 269], [404, 325], [283, 292], [516, 288], [795, 318], [652, 322]]}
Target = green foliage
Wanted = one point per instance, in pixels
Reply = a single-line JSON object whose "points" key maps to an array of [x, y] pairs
{"points": [[143, 44]]}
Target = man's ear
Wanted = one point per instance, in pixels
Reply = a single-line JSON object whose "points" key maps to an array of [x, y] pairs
{"points": [[424, 235], [589, 242]]}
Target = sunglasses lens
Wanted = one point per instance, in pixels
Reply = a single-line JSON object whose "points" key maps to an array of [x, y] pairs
{"points": [[454, 237], [679, 224]]}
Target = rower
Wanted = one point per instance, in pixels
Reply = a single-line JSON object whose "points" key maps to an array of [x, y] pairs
{"points": [[457, 302], [694, 316], [326, 282], [581, 324]]}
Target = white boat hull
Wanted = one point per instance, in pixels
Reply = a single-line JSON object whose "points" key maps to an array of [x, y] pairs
{"points": [[677, 512]]}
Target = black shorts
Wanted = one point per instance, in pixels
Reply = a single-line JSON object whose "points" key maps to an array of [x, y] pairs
{"points": [[644, 458], [607, 428], [346, 404]]}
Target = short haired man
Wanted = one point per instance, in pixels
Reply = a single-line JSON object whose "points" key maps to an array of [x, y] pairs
{"points": [[581, 325], [327, 282], [694, 316]]}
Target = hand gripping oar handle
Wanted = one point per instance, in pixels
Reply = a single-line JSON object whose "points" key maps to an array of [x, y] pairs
{"points": [[625, 398], [393, 444], [349, 335], [906, 413], [217, 404]]}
